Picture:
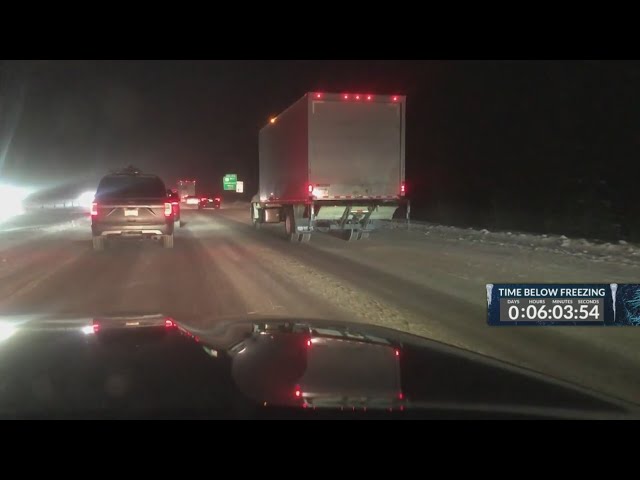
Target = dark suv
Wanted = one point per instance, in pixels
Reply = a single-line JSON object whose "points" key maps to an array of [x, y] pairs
{"points": [[131, 204]]}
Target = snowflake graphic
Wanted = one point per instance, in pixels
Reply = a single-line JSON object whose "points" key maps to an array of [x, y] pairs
{"points": [[632, 308]]}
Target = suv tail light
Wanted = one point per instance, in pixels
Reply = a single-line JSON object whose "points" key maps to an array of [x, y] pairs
{"points": [[168, 210], [94, 209]]}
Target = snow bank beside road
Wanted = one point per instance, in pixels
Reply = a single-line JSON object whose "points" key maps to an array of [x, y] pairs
{"points": [[620, 252]]}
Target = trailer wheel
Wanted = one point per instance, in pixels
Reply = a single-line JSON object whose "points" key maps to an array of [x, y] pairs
{"points": [[290, 225], [257, 222]]}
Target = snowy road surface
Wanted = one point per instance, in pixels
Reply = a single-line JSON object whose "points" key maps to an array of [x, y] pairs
{"points": [[429, 281]]}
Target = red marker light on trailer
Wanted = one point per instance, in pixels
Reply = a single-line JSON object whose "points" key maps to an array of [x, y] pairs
{"points": [[346, 97], [357, 97], [369, 97], [318, 95], [94, 209], [394, 98]]}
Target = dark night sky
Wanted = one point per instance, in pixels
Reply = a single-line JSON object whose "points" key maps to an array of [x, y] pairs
{"points": [[179, 119], [488, 143]]}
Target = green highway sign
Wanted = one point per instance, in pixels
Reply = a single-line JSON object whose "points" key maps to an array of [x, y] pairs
{"points": [[229, 181]]}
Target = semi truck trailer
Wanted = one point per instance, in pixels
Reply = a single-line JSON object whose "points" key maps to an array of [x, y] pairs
{"points": [[332, 162]]}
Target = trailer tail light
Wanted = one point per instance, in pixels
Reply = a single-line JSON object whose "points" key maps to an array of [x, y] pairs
{"points": [[94, 209], [403, 188], [310, 188], [168, 209], [318, 95], [395, 98]]}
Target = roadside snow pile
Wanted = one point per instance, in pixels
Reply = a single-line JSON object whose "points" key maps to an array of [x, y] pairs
{"points": [[620, 251]]}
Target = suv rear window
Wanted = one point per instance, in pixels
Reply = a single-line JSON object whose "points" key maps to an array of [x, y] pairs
{"points": [[124, 186]]}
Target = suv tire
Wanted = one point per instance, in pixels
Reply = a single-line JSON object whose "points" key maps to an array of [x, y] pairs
{"points": [[98, 243]]}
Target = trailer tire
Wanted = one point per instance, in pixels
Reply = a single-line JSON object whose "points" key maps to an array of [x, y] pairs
{"points": [[290, 225], [257, 222]]}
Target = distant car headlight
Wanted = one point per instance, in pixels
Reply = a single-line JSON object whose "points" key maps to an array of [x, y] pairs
{"points": [[85, 199], [6, 330], [12, 199]]}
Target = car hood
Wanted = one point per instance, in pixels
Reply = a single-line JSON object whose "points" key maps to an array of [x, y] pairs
{"points": [[154, 366]]}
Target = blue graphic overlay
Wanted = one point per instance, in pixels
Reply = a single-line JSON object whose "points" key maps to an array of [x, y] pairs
{"points": [[627, 305], [597, 304]]}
